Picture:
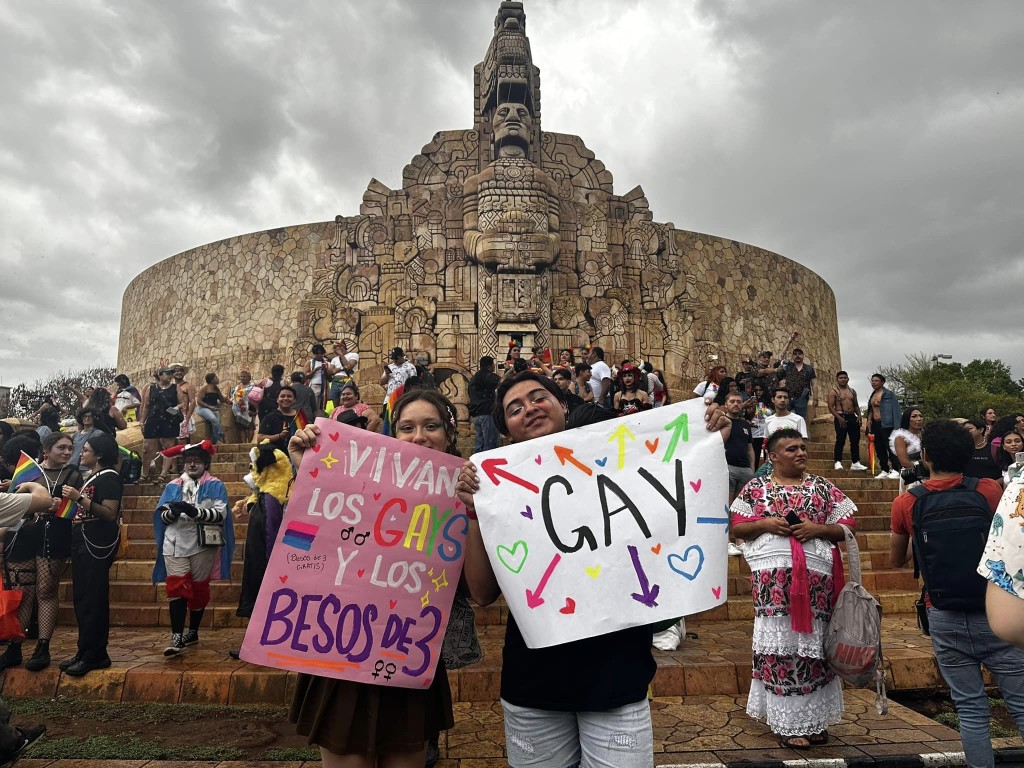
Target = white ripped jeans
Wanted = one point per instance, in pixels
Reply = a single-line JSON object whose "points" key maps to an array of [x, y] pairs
{"points": [[614, 738]]}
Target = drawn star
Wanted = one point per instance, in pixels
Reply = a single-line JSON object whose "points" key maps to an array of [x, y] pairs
{"points": [[440, 581], [425, 600], [430, 572], [329, 460]]}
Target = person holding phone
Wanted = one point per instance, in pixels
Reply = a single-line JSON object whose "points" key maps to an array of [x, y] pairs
{"points": [[792, 521]]}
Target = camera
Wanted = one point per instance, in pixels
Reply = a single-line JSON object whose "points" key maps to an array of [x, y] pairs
{"points": [[915, 474]]}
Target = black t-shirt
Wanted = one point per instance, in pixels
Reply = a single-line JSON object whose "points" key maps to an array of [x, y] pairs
{"points": [[982, 464], [481, 393], [104, 486], [736, 454], [274, 423], [592, 675]]}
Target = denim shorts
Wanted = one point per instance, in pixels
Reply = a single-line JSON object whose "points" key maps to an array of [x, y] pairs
{"points": [[614, 738]]}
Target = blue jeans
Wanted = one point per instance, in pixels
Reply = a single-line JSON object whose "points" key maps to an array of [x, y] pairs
{"points": [[615, 738], [212, 416], [962, 643], [798, 405], [485, 432]]}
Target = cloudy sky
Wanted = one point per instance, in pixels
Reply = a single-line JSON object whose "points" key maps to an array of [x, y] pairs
{"points": [[871, 142]]}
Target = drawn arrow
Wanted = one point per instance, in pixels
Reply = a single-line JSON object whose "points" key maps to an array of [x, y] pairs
{"points": [[648, 595], [714, 521], [621, 434], [565, 454], [491, 469], [681, 429], [533, 598]]}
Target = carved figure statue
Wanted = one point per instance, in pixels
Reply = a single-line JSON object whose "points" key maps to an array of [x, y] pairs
{"points": [[510, 208]]}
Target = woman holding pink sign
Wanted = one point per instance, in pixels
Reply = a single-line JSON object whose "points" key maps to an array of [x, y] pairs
{"points": [[357, 725], [578, 701]]}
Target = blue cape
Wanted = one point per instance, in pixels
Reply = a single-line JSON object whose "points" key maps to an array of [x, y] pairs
{"points": [[209, 488]]}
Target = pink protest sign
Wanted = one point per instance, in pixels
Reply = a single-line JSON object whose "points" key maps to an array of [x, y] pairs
{"points": [[360, 583]]}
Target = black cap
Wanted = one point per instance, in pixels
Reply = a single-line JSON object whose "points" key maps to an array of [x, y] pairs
{"points": [[350, 417], [396, 353]]}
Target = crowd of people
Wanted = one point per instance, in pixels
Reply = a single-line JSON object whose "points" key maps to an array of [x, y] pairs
{"points": [[786, 522]]}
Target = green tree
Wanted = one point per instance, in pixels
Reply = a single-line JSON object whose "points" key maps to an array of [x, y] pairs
{"points": [[24, 399], [952, 390]]}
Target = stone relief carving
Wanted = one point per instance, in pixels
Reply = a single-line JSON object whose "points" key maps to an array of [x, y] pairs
{"points": [[499, 230]]}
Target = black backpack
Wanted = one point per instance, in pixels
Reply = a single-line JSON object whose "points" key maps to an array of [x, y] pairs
{"points": [[131, 466], [950, 531]]}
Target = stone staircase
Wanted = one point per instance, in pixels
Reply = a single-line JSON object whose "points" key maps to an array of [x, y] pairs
{"points": [[136, 602]]}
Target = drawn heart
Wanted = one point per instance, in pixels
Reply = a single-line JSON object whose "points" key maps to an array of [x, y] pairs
{"points": [[284, 579], [656, 550], [695, 486], [678, 562], [458, 504], [593, 571], [601, 462], [537, 459], [513, 558], [392, 603], [316, 448], [426, 682], [334, 436], [527, 513], [376, 497], [652, 445], [314, 472], [717, 592], [360, 573], [570, 607]]}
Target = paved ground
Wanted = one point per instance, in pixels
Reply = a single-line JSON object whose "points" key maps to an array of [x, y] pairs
{"points": [[698, 697], [688, 730]]}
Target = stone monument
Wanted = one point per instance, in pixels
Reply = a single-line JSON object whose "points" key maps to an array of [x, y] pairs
{"points": [[499, 233]]}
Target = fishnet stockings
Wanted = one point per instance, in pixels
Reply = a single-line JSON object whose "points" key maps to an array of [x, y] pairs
{"points": [[39, 581]]}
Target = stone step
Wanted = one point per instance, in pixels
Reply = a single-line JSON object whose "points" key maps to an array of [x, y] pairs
{"points": [[717, 662], [144, 591]]}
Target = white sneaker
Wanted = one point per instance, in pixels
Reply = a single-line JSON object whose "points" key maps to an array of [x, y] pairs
{"points": [[734, 551], [894, 475], [669, 639], [838, 465], [857, 467], [883, 475]]}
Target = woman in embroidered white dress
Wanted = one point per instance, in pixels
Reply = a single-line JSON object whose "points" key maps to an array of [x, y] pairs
{"points": [[796, 574]]}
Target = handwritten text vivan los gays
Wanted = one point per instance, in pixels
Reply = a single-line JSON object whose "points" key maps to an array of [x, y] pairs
{"points": [[360, 582]]}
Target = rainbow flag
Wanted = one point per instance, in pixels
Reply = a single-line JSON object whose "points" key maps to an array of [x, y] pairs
{"points": [[26, 471], [389, 408], [67, 509], [300, 421]]}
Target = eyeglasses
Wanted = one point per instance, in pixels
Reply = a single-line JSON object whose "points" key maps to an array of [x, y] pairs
{"points": [[515, 410]]}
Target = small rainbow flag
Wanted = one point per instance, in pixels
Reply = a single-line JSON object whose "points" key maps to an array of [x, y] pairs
{"points": [[67, 509], [26, 471], [389, 408], [301, 422], [300, 535]]}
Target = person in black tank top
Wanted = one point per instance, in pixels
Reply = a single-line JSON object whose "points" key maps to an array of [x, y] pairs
{"points": [[161, 415], [982, 463]]}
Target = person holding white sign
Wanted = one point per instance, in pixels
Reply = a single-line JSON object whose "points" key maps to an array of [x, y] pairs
{"points": [[357, 725], [792, 520], [583, 700]]}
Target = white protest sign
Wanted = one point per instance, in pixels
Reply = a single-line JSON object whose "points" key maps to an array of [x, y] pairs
{"points": [[614, 525]]}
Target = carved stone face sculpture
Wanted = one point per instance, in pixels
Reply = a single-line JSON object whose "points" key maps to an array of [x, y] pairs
{"points": [[512, 125]]}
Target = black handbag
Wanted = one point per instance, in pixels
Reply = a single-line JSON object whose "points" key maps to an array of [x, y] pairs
{"points": [[210, 535], [461, 646]]}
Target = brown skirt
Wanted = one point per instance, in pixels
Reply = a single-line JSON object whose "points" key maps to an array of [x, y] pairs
{"points": [[349, 718]]}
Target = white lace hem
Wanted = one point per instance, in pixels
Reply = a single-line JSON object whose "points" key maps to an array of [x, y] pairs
{"points": [[775, 635], [796, 715]]}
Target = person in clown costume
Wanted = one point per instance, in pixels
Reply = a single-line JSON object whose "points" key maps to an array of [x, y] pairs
{"points": [[186, 567]]}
